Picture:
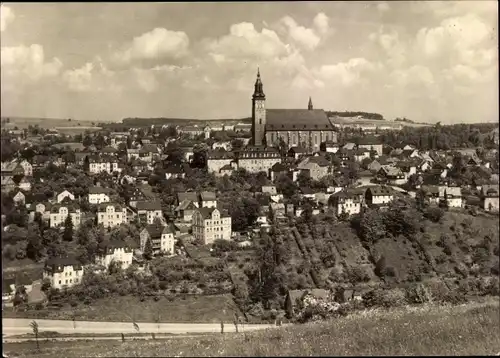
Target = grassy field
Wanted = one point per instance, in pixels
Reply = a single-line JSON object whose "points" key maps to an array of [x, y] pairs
{"points": [[123, 309], [471, 329]]}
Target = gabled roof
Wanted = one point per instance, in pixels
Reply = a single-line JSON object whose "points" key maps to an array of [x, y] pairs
{"points": [[208, 196], [279, 167], [148, 205], [206, 213], [71, 207], [99, 190], [189, 195], [185, 205], [297, 150], [297, 119], [57, 264], [102, 207], [380, 190], [154, 230]]}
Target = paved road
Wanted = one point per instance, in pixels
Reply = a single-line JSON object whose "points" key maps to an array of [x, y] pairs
{"points": [[16, 326]]}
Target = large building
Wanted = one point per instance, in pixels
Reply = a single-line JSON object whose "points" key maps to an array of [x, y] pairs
{"points": [[306, 128], [209, 224]]}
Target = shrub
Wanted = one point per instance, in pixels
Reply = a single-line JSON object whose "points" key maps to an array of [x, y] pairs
{"points": [[418, 294], [385, 298], [73, 303], [358, 274], [434, 214]]}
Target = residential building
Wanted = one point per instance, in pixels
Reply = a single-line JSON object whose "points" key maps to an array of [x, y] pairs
{"points": [[63, 272], [371, 143], [148, 211], [379, 195], [19, 198], [63, 195], [111, 214], [27, 167], [490, 198], [257, 159], [316, 167], [103, 164], [208, 199], [59, 213], [175, 172], [345, 201], [217, 159], [115, 251], [98, 195], [162, 239], [24, 184], [210, 224], [392, 175], [452, 196], [185, 210]]}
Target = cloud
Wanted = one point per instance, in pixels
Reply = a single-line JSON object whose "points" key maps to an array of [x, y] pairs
{"points": [[348, 73], [321, 22], [91, 77], [444, 9], [158, 45], [415, 75], [6, 17], [300, 35], [383, 7], [27, 63], [456, 36]]}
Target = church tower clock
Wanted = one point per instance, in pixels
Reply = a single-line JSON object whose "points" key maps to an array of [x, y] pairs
{"points": [[258, 113]]}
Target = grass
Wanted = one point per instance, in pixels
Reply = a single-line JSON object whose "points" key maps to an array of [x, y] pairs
{"points": [[470, 329], [207, 309]]}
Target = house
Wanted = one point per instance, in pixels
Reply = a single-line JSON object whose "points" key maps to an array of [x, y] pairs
{"points": [[132, 154], [148, 152], [297, 152], [378, 195], [316, 167], [162, 239], [63, 195], [452, 196], [175, 172], [257, 159], [27, 167], [269, 189], [365, 177], [228, 169], [103, 164], [208, 199], [430, 194], [345, 201], [188, 195], [59, 213], [277, 170], [24, 184], [63, 272], [185, 210], [307, 192], [98, 195], [115, 251], [222, 145], [19, 198], [392, 175], [148, 211], [329, 147], [8, 184], [360, 154], [142, 192], [490, 198], [111, 214], [371, 143], [277, 210], [407, 167], [12, 169], [210, 224], [42, 208], [140, 166], [218, 159]]}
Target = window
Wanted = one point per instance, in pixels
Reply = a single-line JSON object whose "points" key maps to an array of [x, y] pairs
{"points": [[59, 281]]}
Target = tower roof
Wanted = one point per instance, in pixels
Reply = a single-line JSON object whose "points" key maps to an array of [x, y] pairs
{"points": [[310, 105], [259, 90]]}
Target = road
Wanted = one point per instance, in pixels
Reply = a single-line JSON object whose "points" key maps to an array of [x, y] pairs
{"points": [[17, 326], [128, 337]]}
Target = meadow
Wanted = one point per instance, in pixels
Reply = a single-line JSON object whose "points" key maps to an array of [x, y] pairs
{"points": [[471, 329]]}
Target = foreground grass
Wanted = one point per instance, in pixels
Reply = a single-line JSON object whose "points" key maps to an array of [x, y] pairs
{"points": [[471, 329]]}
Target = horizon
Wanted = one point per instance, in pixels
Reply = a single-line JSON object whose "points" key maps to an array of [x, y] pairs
{"points": [[427, 61]]}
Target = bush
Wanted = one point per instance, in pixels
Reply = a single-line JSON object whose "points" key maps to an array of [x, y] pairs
{"points": [[73, 303], [418, 294], [385, 298], [434, 214], [358, 274]]}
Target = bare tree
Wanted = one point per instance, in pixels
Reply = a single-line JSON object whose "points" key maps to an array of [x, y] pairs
{"points": [[34, 327]]}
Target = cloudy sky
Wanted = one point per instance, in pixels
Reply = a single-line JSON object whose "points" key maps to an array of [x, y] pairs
{"points": [[428, 61]]}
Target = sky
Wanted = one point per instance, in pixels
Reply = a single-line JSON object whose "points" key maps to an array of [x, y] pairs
{"points": [[426, 61]]}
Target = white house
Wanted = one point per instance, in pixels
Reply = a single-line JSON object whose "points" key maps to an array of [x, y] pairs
{"points": [[209, 224], [65, 194], [148, 211], [63, 272], [379, 195], [161, 237], [98, 195], [111, 215], [60, 212], [345, 202], [115, 251]]}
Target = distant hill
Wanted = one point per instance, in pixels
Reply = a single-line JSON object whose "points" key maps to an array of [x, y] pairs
{"points": [[25, 122], [364, 115], [140, 122]]}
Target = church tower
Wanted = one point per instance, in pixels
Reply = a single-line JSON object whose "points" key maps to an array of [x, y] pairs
{"points": [[310, 105], [258, 113]]}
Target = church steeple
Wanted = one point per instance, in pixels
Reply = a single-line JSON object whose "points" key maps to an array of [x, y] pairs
{"points": [[310, 105], [259, 90]]}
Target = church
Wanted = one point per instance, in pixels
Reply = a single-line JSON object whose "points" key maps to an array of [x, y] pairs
{"points": [[306, 128]]}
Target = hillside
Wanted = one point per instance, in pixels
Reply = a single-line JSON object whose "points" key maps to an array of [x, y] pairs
{"points": [[46, 123], [181, 121], [457, 330]]}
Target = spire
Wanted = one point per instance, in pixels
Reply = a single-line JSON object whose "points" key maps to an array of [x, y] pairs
{"points": [[310, 105], [258, 91]]}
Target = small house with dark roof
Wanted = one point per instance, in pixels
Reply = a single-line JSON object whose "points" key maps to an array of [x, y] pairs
{"points": [[99, 194], [392, 175], [185, 210], [63, 272], [379, 195], [297, 152], [277, 170], [315, 167], [117, 251], [208, 199], [175, 172], [371, 143], [161, 236], [148, 211], [210, 224], [294, 298]]}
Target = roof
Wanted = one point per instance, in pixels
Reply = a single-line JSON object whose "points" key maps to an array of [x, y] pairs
{"points": [[380, 190], [298, 150], [206, 213], [99, 190], [220, 153], [369, 141], [278, 167], [297, 119], [103, 206], [71, 207], [148, 205], [306, 190], [208, 195], [491, 191], [149, 148], [58, 263], [226, 167], [154, 230], [453, 191], [109, 149], [174, 169], [185, 205], [189, 195], [113, 244]]}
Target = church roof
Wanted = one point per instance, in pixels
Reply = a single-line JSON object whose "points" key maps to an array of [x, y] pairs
{"points": [[297, 119]]}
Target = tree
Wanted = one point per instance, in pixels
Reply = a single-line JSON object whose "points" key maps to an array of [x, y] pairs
{"points": [[34, 247], [34, 327], [148, 250], [68, 229], [286, 186]]}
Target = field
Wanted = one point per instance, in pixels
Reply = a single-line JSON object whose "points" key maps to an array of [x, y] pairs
{"points": [[47, 123], [425, 330], [191, 308]]}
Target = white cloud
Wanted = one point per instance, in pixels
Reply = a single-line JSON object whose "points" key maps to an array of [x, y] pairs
{"points": [[321, 22], [300, 35], [455, 37], [415, 75], [394, 48], [244, 42], [6, 17], [383, 7], [454, 8], [28, 62], [91, 77], [348, 73], [155, 46]]}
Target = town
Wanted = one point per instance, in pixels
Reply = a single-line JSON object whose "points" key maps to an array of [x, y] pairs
{"points": [[262, 211]]}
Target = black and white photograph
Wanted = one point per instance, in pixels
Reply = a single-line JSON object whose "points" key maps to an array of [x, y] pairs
{"points": [[250, 178]]}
